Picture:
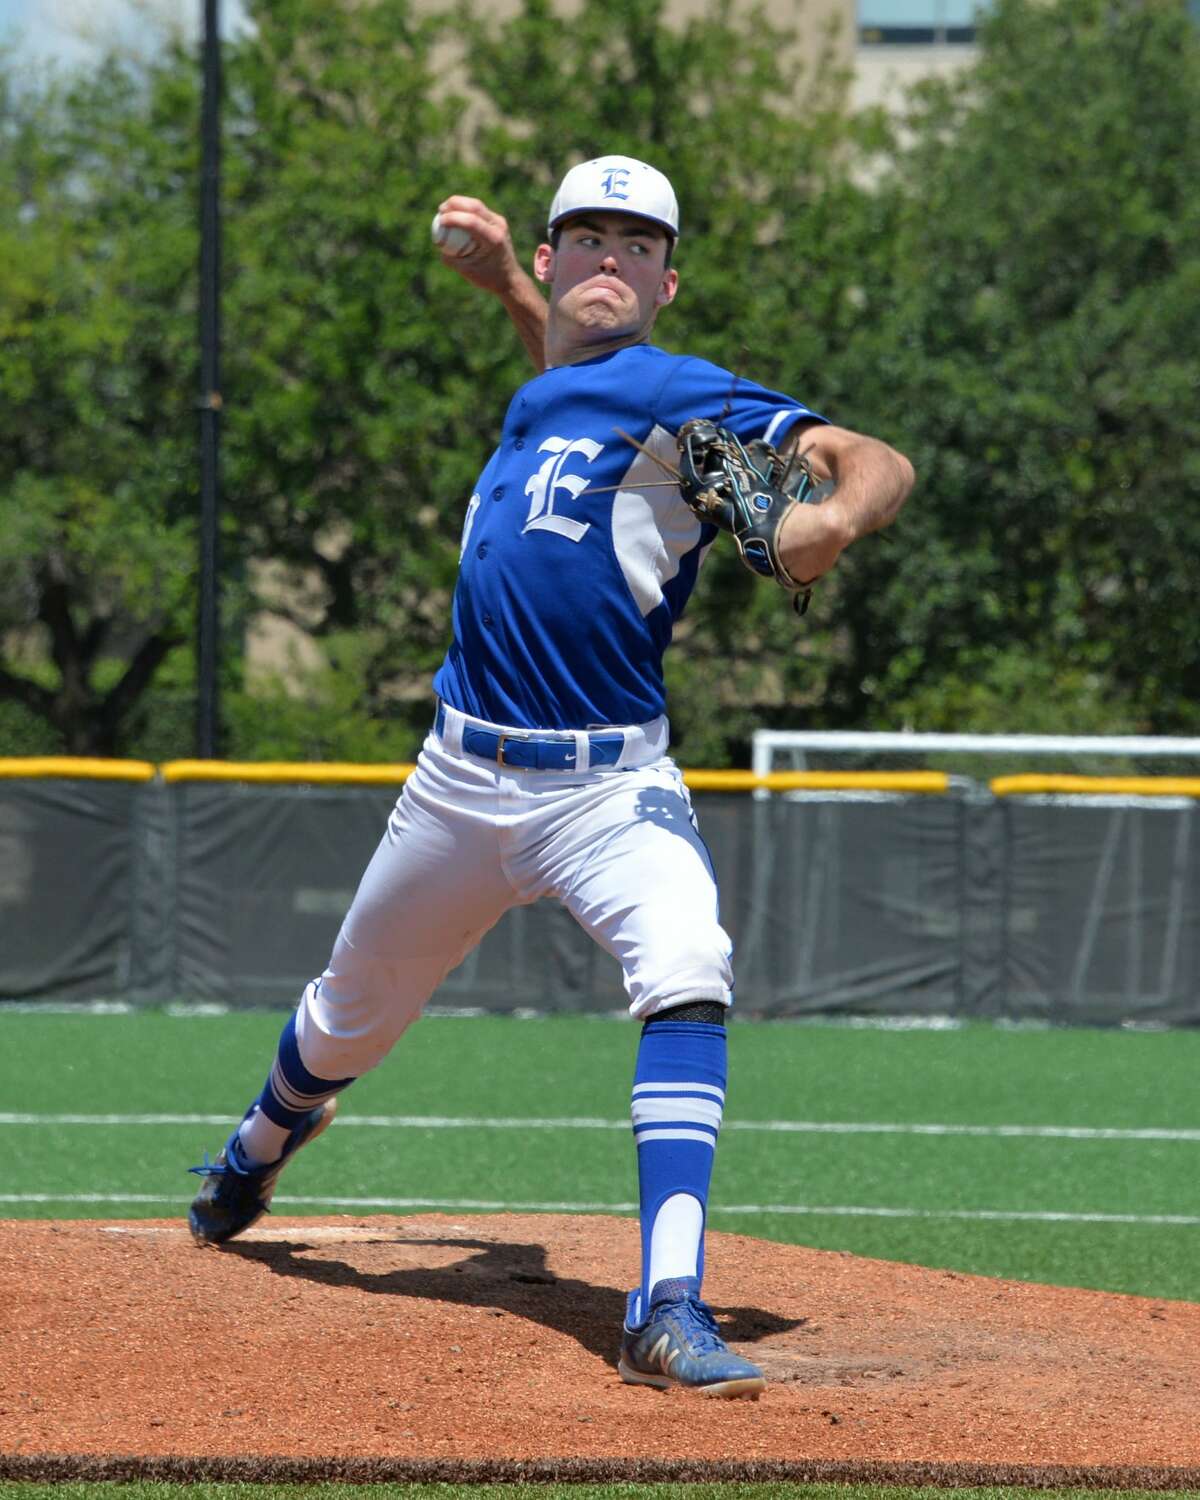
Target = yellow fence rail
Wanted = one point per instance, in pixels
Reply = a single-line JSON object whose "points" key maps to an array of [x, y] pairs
{"points": [[340, 773], [325, 773], [818, 781], [1099, 786], [76, 767], [283, 772]]}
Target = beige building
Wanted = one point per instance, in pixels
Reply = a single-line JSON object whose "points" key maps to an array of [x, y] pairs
{"points": [[890, 44]]}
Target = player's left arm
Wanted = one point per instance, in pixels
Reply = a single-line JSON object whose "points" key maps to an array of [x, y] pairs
{"points": [[871, 480]]}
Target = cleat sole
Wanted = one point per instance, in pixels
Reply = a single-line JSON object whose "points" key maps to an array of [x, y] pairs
{"points": [[745, 1388]]}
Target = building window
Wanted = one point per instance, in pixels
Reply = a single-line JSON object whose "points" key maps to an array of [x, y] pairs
{"points": [[917, 22]]}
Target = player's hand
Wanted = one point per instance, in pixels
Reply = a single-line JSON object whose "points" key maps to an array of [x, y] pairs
{"points": [[812, 538], [489, 261]]}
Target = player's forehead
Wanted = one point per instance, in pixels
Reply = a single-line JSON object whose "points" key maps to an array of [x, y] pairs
{"points": [[606, 221]]}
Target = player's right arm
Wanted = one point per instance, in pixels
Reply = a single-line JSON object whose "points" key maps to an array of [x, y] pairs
{"points": [[491, 264]]}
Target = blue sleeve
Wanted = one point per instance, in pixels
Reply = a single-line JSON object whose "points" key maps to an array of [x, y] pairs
{"points": [[696, 388]]}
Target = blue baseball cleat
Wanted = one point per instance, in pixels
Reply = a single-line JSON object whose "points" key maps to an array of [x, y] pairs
{"points": [[678, 1346], [232, 1198]]}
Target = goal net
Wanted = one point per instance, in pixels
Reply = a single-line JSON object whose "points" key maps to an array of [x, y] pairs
{"points": [[976, 757]]}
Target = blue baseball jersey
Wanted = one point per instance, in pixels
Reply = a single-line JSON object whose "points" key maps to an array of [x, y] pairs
{"points": [[577, 558]]}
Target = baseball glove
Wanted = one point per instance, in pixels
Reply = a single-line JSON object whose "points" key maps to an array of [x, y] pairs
{"points": [[748, 490]]}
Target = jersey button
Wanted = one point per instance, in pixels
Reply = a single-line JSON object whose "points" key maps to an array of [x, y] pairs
{"points": [[481, 550], [520, 443], [487, 620], [498, 492]]}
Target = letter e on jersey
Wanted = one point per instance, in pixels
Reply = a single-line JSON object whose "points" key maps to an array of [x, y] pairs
{"points": [[543, 487]]}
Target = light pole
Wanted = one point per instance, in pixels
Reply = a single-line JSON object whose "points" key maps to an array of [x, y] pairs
{"points": [[208, 621]]}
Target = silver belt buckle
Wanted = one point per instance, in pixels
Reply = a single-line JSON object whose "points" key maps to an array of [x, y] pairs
{"points": [[521, 739]]}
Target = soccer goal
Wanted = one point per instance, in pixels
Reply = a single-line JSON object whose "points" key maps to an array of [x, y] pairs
{"points": [[974, 758]]}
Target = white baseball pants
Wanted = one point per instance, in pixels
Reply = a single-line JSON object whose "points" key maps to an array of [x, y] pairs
{"points": [[468, 839]]}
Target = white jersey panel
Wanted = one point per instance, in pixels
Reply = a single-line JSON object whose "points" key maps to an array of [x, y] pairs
{"points": [[653, 528]]}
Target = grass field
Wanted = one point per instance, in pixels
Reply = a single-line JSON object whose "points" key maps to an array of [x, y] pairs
{"points": [[1063, 1156], [202, 1491], [71, 1491]]}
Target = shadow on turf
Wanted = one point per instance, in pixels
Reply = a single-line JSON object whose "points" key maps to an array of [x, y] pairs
{"points": [[512, 1278]]}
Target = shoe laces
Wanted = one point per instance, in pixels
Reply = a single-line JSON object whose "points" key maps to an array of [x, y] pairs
{"points": [[226, 1164], [209, 1168], [699, 1324]]}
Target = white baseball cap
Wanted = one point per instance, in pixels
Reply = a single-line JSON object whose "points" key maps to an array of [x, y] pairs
{"points": [[617, 184]]}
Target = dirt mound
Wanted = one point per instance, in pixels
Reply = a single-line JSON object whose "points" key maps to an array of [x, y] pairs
{"points": [[444, 1347]]}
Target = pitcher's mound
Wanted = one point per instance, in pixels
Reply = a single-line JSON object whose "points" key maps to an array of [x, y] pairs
{"points": [[486, 1347]]}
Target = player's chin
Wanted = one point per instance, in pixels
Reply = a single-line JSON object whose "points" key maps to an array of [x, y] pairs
{"points": [[598, 327]]}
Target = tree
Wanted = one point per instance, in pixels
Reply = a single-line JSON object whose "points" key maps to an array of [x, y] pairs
{"points": [[355, 365], [1005, 284], [1032, 339], [97, 256], [363, 383]]}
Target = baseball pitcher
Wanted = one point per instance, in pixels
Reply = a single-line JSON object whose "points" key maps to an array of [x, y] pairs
{"points": [[546, 769]]}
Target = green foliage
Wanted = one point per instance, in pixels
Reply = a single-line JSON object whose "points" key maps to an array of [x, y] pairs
{"points": [[320, 715], [361, 409], [1033, 345], [96, 327], [298, 714], [710, 97], [994, 689], [1005, 284], [22, 732]]}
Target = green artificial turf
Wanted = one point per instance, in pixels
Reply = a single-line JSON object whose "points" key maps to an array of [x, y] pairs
{"points": [[981, 1202]]}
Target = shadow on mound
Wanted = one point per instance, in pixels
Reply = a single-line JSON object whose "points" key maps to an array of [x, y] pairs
{"points": [[512, 1278]]}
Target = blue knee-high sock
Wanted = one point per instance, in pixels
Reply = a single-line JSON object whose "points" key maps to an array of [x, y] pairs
{"points": [[291, 1092], [678, 1099]]}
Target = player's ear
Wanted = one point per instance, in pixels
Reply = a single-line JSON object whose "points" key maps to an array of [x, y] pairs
{"points": [[667, 287], [543, 263]]}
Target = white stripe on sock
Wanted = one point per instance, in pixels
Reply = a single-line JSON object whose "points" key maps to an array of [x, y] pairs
{"points": [[679, 1088], [675, 1135], [292, 1098], [698, 1111]]}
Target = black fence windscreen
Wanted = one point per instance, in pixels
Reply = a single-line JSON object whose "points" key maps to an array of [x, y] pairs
{"points": [[1071, 910]]}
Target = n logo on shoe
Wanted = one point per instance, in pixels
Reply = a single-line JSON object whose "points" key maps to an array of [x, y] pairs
{"points": [[659, 1356]]}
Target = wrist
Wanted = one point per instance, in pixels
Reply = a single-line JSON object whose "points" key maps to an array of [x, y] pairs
{"points": [[812, 538]]}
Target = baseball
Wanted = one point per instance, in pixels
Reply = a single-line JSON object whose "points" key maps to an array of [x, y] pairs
{"points": [[448, 237]]}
